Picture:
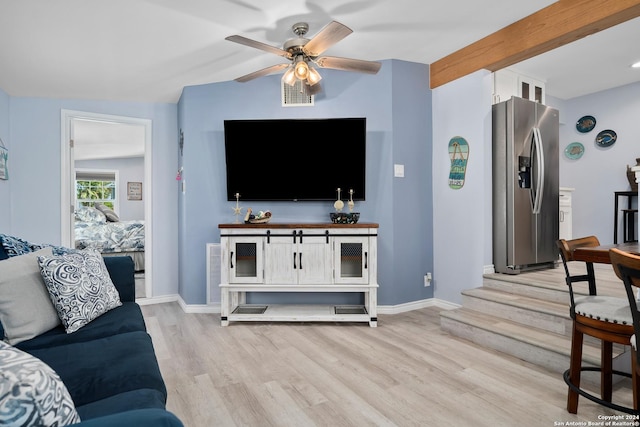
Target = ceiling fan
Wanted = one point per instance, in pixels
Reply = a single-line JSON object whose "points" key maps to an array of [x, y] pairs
{"points": [[303, 53]]}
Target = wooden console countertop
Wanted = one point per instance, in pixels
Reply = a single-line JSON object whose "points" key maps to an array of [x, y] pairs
{"points": [[283, 225]]}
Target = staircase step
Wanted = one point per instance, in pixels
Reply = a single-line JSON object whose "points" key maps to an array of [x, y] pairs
{"points": [[519, 286], [527, 316], [533, 345], [543, 314]]}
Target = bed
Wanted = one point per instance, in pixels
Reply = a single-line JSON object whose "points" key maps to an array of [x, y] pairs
{"points": [[109, 235]]}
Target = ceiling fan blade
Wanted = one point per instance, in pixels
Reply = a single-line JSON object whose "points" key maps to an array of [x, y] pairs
{"points": [[347, 64], [259, 45], [260, 73], [331, 34]]}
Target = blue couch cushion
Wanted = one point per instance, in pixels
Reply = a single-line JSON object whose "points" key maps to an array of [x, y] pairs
{"points": [[122, 272], [126, 318], [127, 401], [137, 418], [3, 253], [104, 367]]}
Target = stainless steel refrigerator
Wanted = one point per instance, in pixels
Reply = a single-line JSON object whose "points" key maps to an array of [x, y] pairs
{"points": [[525, 186]]}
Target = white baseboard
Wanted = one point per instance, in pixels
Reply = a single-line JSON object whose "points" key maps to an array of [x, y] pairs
{"points": [[158, 300], [489, 269], [382, 309], [199, 308]]}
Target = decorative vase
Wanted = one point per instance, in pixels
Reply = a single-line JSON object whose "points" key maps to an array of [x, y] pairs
{"points": [[631, 176]]}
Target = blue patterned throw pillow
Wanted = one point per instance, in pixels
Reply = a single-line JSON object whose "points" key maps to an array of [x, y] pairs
{"points": [[14, 246], [80, 287], [31, 393]]}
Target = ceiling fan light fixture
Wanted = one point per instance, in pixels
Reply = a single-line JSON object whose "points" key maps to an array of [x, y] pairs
{"points": [[313, 77], [301, 68], [289, 76]]}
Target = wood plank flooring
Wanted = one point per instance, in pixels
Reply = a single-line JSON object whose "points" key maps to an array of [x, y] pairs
{"points": [[406, 372]]}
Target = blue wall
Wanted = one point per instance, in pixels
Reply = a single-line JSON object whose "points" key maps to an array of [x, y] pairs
{"points": [[35, 175], [600, 171], [462, 218], [397, 105]]}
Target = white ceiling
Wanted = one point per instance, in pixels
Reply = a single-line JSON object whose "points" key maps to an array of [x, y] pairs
{"points": [[148, 50], [94, 140]]}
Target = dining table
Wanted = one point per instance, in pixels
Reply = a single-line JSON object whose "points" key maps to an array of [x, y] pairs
{"points": [[600, 254]]}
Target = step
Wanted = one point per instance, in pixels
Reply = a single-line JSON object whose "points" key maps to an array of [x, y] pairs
{"points": [[551, 292], [543, 314], [543, 348]]}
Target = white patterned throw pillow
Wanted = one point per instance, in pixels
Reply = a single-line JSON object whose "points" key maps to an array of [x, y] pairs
{"points": [[80, 287], [31, 393]]}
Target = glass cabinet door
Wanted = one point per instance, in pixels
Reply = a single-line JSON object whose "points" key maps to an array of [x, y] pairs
{"points": [[245, 260], [351, 260]]}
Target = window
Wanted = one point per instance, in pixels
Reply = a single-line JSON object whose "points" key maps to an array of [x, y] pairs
{"points": [[96, 186]]}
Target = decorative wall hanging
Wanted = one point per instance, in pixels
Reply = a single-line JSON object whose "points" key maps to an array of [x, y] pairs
{"points": [[574, 151], [459, 155], [586, 124], [606, 138], [4, 160], [134, 191]]}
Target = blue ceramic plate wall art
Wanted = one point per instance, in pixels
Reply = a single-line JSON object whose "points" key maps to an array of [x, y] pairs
{"points": [[606, 138], [586, 124], [574, 151]]}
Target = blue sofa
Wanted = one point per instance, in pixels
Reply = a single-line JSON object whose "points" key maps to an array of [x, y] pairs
{"points": [[109, 365]]}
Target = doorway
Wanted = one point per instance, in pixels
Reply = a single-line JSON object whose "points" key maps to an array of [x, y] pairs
{"points": [[98, 143]]}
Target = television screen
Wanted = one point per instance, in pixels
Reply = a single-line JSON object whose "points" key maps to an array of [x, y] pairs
{"points": [[295, 159]]}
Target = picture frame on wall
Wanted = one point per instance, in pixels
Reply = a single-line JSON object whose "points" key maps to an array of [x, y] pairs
{"points": [[134, 191], [4, 160]]}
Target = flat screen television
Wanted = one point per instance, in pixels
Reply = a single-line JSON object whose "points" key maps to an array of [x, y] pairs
{"points": [[295, 159]]}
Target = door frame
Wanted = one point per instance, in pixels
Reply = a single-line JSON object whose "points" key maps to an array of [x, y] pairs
{"points": [[67, 179]]}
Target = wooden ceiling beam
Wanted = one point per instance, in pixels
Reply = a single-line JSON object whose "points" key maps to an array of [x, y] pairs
{"points": [[556, 25]]}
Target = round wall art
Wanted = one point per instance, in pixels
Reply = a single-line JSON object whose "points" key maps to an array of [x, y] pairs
{"points": [[586, 124], [606, 138], [574, 151]]}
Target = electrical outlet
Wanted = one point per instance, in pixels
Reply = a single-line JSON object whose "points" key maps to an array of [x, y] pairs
{"points": [[427, 280]]}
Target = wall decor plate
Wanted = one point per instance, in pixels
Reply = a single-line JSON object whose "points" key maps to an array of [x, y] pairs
{"points": [[586, 124], [574, 151], [606, 138]]}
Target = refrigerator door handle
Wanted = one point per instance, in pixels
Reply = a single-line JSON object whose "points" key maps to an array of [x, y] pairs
{"points": [[540, 171]]}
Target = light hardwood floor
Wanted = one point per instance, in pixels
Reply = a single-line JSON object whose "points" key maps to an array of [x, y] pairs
{"points": [[406, 372]]}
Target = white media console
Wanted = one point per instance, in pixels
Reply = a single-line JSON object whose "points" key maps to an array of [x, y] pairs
{"points": [[305, 257]]}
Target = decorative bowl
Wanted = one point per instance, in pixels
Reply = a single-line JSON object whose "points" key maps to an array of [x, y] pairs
{"points": [[344, 217], [259, 221]]}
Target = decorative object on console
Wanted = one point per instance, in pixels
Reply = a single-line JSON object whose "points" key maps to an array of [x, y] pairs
{"points": [[338, 204], [350, 203], [237, 210], [585, 124], [261, 218], [574, 151], [344, 217], [606, 138], [303, 52]]}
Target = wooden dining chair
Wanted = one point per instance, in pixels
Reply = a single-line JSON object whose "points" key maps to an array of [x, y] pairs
{"points": [[606, 318], [627, 268]]}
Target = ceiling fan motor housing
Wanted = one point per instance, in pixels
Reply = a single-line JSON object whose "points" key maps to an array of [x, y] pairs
{"points": [[294, 46]]}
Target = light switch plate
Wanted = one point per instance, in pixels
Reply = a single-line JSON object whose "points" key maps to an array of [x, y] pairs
{"points": [[398, 171]]}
